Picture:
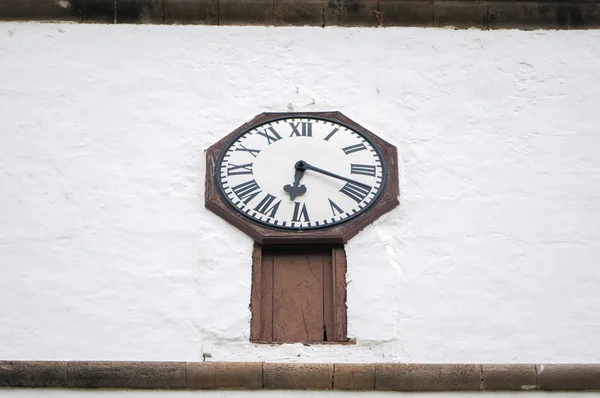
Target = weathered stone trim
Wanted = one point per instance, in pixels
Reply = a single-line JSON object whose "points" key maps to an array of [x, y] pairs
{"points": [[459, 14], [312, 376]]}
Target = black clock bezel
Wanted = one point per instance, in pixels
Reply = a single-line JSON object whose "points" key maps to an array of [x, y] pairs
{"points": [[225, 198]]}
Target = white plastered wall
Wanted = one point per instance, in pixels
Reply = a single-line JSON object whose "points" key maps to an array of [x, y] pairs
{"points": [[107, 251]]}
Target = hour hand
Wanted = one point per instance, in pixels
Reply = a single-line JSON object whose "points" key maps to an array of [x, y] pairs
{"points": [[296, 189]]}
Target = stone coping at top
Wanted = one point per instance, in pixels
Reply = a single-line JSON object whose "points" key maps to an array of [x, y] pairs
{"points": [[312, 376], [459, 14]]}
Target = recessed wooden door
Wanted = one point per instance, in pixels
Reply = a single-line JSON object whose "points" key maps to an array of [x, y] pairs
{"points": [[294, 297]]}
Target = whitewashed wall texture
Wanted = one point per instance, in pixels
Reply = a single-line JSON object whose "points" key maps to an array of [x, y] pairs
{"points": [[107, 251]]}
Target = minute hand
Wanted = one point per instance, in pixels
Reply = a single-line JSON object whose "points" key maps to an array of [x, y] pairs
{"points": [[339, 177]]}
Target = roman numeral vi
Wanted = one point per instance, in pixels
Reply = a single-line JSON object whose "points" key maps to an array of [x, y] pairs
{"points": [[300, 212]]}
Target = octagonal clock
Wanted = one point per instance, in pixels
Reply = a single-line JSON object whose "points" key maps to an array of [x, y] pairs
{"points": [[288, 178]]}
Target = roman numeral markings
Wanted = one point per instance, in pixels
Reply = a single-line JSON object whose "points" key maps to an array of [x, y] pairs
{"points": [[331, 134], [363, 169], [267, 207], [305, 129], [335, 208], [234, 169], [300, 213], [270, 134], [252, 152], [356, 191], [247, 191], [354, 148]]}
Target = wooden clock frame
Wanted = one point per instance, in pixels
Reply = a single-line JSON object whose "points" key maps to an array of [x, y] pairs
{"points": [[299, 277], [337, 235]]}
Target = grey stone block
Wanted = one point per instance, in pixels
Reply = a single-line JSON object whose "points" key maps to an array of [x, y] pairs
{"points": [[96, 11], [582, 15], [148, 375], [351, 376], [461, 14], [406, 12], [33, 374], [509, 377], [39, 10], [196, 12], [568, 377], [527, 15], [317, 376], [427, 377], [296, 12], [351, 12], [209, 375], [246, 12], [140, 11]]}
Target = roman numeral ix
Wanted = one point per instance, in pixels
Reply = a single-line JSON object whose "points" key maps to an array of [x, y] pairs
{"points": [[234, 169], [363, 169], [264, 207], [356, 191], [304, 131], [271, 137], [247, 191]]}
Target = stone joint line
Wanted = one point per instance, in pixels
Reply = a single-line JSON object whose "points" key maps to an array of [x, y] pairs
{"points": [[313, 376]]}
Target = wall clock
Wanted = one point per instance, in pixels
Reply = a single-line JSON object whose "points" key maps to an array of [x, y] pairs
{"points": [[300, 173], [301, 177]]}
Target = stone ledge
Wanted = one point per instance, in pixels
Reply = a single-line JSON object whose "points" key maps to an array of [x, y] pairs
{"points": [[306, 376], [457, 14]]}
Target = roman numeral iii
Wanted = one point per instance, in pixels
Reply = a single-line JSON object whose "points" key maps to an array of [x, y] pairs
{"points": [[363, 169], [247, 191], [234, 169], [356, 191], [270, 134], [301, 129], [354, 148]]}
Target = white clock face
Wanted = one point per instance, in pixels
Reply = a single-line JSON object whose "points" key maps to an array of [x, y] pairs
{"points": [[301, 173]]}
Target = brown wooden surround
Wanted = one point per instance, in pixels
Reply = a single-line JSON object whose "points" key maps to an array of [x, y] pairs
{"points": [[337, 235], [298, 295]]}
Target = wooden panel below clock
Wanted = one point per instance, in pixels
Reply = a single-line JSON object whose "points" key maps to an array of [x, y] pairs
{"points": [[298, 295]]}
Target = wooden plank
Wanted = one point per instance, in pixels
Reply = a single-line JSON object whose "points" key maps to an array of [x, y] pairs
{"points": [[328, 309], [255, 301], [339, 294], [298, 297], [266, 298]]}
